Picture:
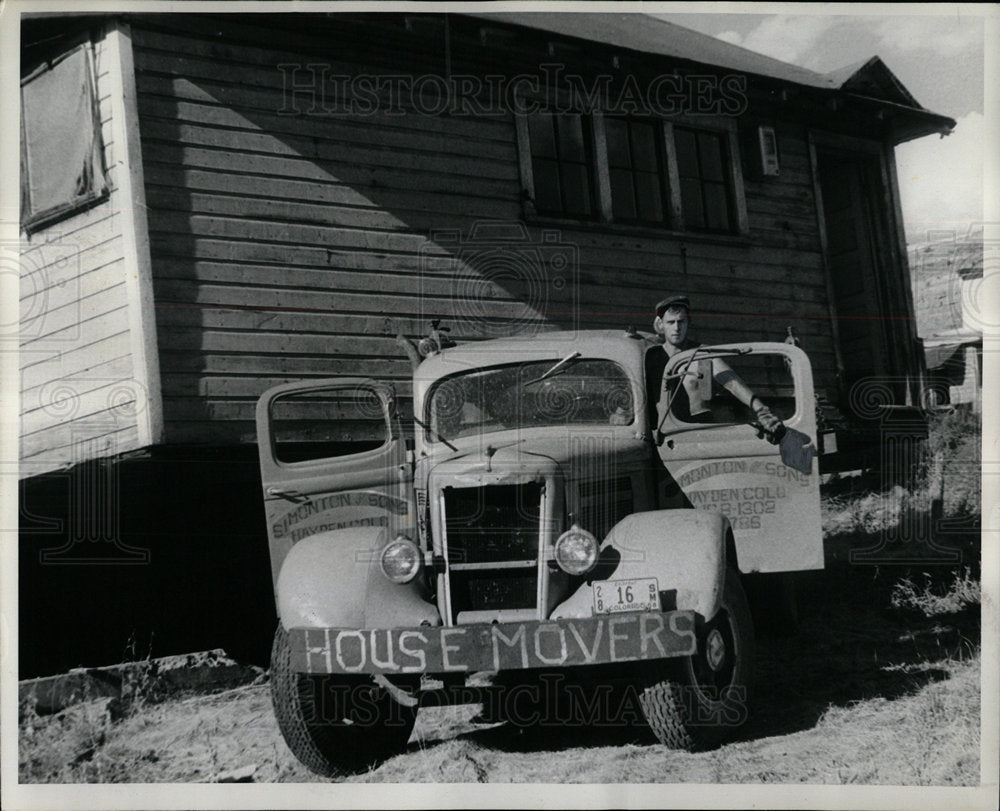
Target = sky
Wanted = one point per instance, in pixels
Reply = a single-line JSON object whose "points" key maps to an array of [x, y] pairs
{"points": [[938, 57]]}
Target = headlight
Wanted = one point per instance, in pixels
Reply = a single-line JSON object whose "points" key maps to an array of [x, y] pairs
{"points": [[401, 560], [576, 551]]}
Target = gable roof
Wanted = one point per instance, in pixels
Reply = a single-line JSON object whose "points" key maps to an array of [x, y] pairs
{"points": [[652, 35], [873, 79], [643, 33]]}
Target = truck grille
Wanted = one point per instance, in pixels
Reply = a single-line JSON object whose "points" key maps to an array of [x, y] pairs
{"points": [[497, 590], [603, 503], [492, 537]]}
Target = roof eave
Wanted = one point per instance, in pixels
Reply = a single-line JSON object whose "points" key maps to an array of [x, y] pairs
{"points": [[907, 123]]}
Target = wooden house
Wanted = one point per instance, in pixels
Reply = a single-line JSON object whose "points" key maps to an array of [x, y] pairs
{"points": [[256, 198]]}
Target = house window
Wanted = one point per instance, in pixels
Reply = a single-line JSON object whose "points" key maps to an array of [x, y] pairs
{"points": [[62, 159], [562, 163], [636, 169], [702, 168], [633, 171]]}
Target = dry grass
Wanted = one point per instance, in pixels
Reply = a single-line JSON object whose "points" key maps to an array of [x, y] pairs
{"points": [[956, 440], [964, 591], [928, 738], [950, 471], [67, 747], [869, 513]]}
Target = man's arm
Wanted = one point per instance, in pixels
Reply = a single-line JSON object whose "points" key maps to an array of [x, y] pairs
{"points": [[733, 383]]}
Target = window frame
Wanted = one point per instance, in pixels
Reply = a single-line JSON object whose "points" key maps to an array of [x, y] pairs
{"points": [[31, 221], [704, 181], [591, 133], [673, 223], [327, 387], [662, 173]]}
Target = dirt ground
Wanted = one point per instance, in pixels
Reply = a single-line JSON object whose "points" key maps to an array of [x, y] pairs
{"points": [[866, 692]]}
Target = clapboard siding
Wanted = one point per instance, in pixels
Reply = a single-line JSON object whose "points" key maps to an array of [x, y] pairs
{"points": [[89, 387], [378, 178], [77, 363], [338, 131], [299, 201], [84, 270], [248, 106], [248, 143], [71, 443], [444, 282], [298, 245], [45, 275], [309, 306], [66, 320], [43, 369], [288, 366]]}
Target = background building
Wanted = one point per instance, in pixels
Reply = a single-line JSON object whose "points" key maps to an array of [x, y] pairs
{"points": [[946, 278]]}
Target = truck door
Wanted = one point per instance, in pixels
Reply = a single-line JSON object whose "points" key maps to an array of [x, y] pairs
{"points": [[769, 492], [332, 455]]}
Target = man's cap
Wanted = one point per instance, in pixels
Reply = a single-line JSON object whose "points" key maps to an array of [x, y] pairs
{"points": [[670, 301]]}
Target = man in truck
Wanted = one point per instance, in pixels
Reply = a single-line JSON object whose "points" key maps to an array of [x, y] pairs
{"points": [[690, 401]]}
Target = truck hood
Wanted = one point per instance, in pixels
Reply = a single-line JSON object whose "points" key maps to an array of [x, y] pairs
{"points": [[506, 457]]}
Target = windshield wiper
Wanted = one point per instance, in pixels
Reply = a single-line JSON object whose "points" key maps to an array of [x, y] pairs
{"points": [[554, 369], [426, 427]]}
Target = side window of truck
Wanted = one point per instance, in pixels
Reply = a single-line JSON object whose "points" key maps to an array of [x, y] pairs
{"points": [[768, 376], [309, 425], [699, 396]]}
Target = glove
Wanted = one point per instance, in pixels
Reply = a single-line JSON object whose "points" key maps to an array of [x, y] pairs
{"points": [[773, 428]]}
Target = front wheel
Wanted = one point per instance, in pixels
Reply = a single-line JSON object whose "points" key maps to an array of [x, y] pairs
{"points": [[695, 702], [338, 725]]}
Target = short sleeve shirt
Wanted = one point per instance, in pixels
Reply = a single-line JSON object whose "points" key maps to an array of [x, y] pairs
{"points": [[685, 402]]}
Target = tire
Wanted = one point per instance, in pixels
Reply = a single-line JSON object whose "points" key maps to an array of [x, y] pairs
{"points": [[695, 702], [337, 725]]}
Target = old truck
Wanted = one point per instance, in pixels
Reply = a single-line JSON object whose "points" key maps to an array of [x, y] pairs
{"points": [[546, 519]]}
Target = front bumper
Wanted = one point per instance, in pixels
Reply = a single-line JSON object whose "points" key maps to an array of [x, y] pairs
{"points": [[602, 639]]}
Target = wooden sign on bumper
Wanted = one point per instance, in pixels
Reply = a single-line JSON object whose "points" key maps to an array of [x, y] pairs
{"points": [[495, 647]]}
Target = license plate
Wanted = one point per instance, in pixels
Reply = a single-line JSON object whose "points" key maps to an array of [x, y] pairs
{"points": [[634, 594]]}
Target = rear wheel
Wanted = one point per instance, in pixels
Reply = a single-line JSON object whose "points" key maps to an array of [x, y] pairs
{"points": [[695, 702], [336, 725]]}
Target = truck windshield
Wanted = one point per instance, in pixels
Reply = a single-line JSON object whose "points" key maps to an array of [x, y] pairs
{"points": [[588, 391]]}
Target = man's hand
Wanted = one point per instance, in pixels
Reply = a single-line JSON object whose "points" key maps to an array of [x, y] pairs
{"points": [[774, 429]]}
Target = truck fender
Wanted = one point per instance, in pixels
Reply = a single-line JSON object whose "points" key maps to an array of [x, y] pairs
{"points": [[334, 580], [684, 549]]}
